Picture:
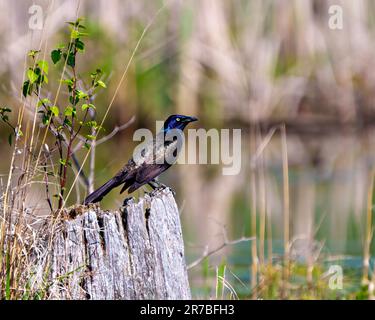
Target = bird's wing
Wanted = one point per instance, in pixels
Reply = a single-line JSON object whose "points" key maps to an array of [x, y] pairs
{"points": [[150, 161], [147, 172]]}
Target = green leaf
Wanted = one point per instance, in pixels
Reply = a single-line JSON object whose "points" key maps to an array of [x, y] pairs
{"points": [[45, 119], [91, 124], [87, 146], [90, 137], [96, 73], [74, 34], [74, 100], [69, 111], [80, 45], [71, 60], [83, 34], [37, 71], [44, 101], [67, 122], [55, 110], [64, 163], [41, 79], [81, 94], [32, 53], [56, 55], [32, 75], [43, 64], [27, 88], [68, 81], [101, 83], [86, 106]]}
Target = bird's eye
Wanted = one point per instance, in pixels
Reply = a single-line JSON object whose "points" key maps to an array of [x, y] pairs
{"points": [[178, 119]]}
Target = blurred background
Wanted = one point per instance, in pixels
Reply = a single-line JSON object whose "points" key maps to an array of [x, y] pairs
{"points": [[247, 64]]}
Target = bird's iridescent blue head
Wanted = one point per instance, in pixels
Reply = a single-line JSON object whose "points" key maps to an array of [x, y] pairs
{"points": [[177, 121]]}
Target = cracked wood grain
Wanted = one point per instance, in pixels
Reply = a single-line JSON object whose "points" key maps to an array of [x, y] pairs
{"points": [[134, 253]]}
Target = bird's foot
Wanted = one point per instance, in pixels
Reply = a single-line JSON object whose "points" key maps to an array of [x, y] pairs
{"points": [[127, 200], [165, 187], [156, 185], [162, 186]]}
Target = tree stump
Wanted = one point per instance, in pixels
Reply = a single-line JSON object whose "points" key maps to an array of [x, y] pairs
{"points": [[134, 253]]}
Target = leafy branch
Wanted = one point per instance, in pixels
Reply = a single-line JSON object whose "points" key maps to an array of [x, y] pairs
{"points": [[66, 124]]}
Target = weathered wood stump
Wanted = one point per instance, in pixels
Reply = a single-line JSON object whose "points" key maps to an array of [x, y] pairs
{"points": [[134, 253]]}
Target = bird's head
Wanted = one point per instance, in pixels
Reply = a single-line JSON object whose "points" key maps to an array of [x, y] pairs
{"points": [[177, 121]]}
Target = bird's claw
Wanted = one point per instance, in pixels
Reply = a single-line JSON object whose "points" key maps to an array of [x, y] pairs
{"points": [[163, 187], [126, 201]]}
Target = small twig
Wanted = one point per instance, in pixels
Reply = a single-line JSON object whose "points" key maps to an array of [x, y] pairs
{"points": [[48, 197], [92, 163], [116, 130], [82, 174], [226, 243]]}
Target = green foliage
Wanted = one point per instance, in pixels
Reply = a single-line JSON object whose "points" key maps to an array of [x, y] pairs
{"points": [[56, 55], [54, 111], [4, 111], [86, 106], [33, 53], [32, 76], [70, 112], [36, 75], [101, 83], [43, 65], [76, 118], [26, 88]]}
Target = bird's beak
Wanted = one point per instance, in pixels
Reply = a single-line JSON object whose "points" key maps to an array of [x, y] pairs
{"points": [[190, 119]]}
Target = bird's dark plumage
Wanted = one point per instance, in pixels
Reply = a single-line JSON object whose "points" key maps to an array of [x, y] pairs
{"points": [[146, 164]]}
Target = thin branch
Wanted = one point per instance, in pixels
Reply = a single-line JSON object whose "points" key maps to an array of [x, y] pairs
{"points": [[226, 243], [116, 130], [92, 163], [48, 196]]}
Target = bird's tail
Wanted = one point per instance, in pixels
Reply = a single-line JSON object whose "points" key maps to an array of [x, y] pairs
{"points": [[99, 193]]}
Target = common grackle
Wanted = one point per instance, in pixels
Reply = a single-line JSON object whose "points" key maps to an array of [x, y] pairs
{"points": [[148, 162]]}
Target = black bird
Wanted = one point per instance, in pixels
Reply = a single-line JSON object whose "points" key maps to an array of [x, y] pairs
{"points": [[149, 162]]}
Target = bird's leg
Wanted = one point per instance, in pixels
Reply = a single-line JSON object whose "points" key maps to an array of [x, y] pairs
{"points": [[127, 201], [154, 184]]}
